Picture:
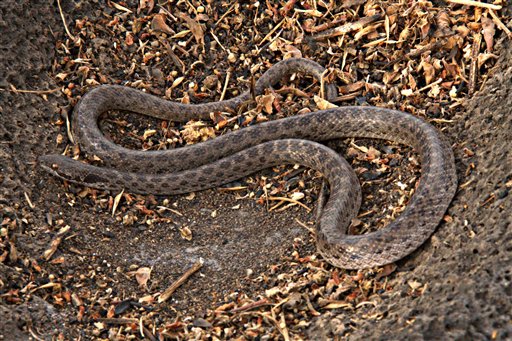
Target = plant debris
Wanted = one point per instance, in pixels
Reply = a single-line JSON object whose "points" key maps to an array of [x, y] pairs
{"points": [[418, 57]]}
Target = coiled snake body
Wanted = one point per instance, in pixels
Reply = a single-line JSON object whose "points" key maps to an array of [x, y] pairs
{"points": [[289, 140]]}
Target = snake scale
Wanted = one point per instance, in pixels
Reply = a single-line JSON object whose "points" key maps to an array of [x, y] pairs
{"points": [[288, 140]]}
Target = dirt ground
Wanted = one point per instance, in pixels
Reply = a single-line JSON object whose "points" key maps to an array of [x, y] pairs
{"points": [[464, 269]]}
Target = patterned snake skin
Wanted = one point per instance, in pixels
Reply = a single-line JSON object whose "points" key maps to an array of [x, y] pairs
{"points": [[289, 140]]}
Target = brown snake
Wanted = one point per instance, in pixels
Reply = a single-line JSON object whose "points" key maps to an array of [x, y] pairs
{"points": [[289, 140]]}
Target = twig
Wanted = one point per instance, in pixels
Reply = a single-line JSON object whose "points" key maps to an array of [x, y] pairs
{"points": [[473, 69], [347, 97], [217, 40], [145, 332], [271, 32], [500, 24], [69, 131], [231, 189], [430, 85], [287, 7], [169, 291], [64, 22], [283, 327], [322, 83], [466, 184], [28, 200], [47, 286], [325, 26], [56, 242], [37, 92], [349, 27], [288, 200], [230, 9], [312, 309], [34, 335], [250, 306], [475, 3], [292, 90], [310, 229], [170, 210], [228, 76], [116, 320], [283, 332]]}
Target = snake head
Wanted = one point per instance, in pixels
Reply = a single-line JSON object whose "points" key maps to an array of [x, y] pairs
{"points": [[72, 170]]}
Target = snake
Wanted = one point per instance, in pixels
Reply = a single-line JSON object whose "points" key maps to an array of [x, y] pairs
{"points": [[290, 140]]}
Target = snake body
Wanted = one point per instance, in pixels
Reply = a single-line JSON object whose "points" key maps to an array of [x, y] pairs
{"points": [[289, 140]]}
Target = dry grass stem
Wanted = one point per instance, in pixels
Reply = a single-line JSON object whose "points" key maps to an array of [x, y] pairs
{"points": [[72, 37], [283, 199], [476, 4]]}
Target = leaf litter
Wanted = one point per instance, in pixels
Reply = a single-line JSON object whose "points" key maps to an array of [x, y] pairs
{"points": [[422, 58]]}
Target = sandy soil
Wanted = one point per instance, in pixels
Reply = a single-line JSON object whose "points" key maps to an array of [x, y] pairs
{"points": [[465, 266]]}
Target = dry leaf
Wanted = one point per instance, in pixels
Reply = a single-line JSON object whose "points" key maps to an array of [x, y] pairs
{"points": [[181, 34], [351, 3], [219, 119], [390, 77], [116, 202], [121, 8], [53, 247], [148, 133], [352, 87], [3, 257], [372, 154], [434, 91], [277, 45], [407, 92], [177, 82], [443, 24], [338, 305], [266, 102], [483, 57], [158, 24], [429, 72], [412, 82], [387, 270], [195, 27], [194, 132], [323, 104], [291, 52], [111, 312], [186, 233], [129, 39], [405, 34], [142, 276], [297, 196], [414, 284], [272, 291], [146, 4], [488, 31], [148, 299], [61, 76]]}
